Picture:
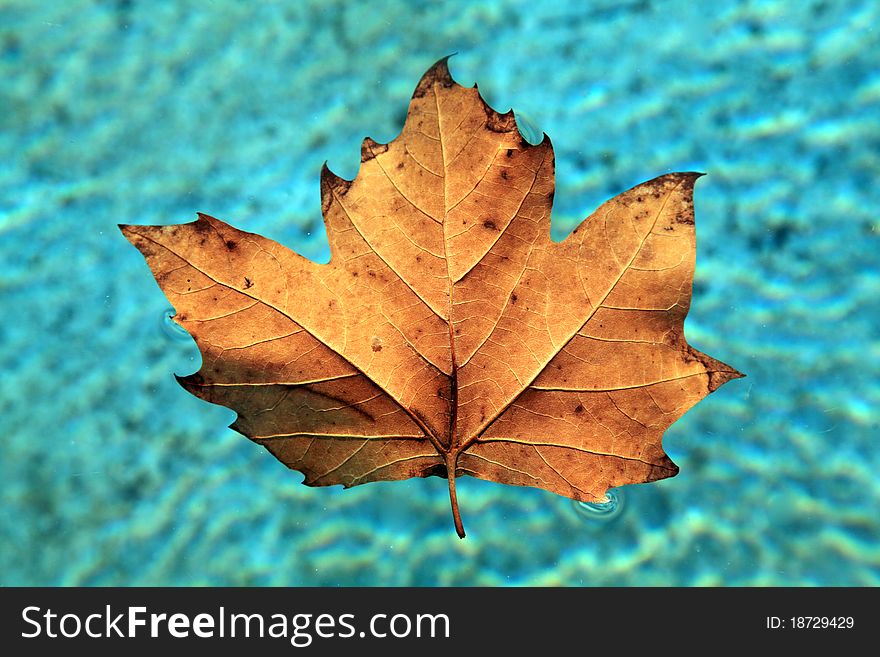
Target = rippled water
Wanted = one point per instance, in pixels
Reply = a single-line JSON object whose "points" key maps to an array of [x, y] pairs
{"points": [[145, 112]]}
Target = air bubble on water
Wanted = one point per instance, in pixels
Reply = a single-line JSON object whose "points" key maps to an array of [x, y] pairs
{"points": [[601, 511], [528, 128], [172, 329]]}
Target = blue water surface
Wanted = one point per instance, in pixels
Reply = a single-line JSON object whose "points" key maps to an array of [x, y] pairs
{"points": [[130, 111]]}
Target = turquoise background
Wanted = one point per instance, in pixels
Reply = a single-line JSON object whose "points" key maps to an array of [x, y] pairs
{"points": [[146, 112]]}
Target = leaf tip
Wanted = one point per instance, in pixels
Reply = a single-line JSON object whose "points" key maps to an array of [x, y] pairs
{"points": [[735, 374], [327, 175], [371, 149], [664, 468], [684, 175], [437, 74], [204, 222], [718, 378], [691, 176], [135, 236], [330, 184]]}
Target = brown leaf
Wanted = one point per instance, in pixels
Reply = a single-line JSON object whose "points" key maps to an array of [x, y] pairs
{"points": [[449, 335]]}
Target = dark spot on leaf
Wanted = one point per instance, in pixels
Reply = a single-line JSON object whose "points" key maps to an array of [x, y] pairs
{"points": [[370, 149], [513, 298], [579, 409], [504, 174], [436, 470], [509, 152], [490, 224], [499, 122], [231, 245], [248, 283]]}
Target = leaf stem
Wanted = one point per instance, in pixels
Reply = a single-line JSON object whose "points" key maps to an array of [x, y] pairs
{"points": [[450, 475]]}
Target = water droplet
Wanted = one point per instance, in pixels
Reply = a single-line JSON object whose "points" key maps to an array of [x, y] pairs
{"points": [[605, 511], [172, 329], [528, 129]]}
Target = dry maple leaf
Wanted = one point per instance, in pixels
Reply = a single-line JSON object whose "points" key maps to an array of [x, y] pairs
{"points": [[449, 335]]}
